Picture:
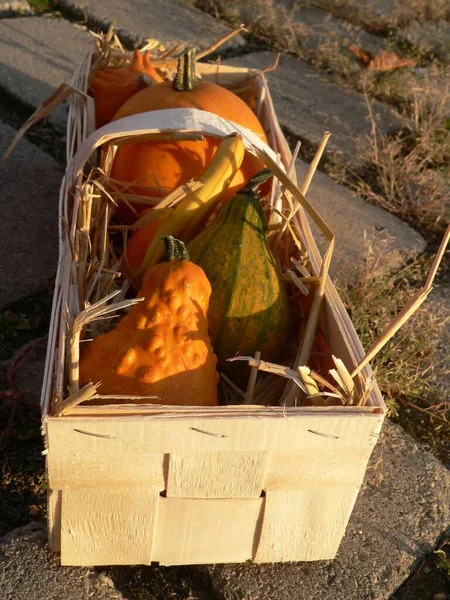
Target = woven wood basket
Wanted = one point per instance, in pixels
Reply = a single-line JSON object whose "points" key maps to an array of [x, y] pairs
{"points": [[136, 482]]}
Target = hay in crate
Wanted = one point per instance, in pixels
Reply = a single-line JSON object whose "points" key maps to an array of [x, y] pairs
{"points": [[91, 294]]}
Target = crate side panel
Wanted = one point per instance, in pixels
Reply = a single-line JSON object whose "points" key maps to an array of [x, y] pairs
{"points": [[54, 519], [195, 531], [107, 527], [77, 457], [305, 524], [326, 466], [131, 439], [216, 474]]}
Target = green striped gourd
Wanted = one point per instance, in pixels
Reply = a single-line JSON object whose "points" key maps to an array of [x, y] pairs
{"points": [[248, 308]]}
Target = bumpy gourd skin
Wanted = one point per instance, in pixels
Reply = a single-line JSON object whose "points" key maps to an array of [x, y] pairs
{"points": [[161, 347]]}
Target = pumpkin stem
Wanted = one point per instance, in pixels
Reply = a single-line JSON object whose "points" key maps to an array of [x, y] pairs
{"points": [[257, 180], [175, 249], [185, 79]]}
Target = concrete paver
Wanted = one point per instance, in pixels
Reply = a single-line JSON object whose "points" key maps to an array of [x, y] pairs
{"points": [[353, 221], [30, 182], [37, 55], [170, 23], [316, 27], [432, 37], [308, 103]]}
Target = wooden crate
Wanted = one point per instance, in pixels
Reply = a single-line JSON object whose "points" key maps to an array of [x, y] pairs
{"points": [[135, 484]]}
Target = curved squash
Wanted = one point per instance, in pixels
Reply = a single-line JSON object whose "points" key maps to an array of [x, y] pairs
{"points": [[248, 308], [191, 213]]}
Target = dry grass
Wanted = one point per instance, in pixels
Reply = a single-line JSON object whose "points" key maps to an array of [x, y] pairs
{"points": [[401, 12], [408, 174], [267, 20], [413, 368], [326, 43]]}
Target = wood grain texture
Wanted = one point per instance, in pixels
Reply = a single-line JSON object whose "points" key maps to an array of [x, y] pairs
{"points": [[107, 527], [326, 466], [206, 531], [216, 474], [54, 501], [304, 525], [84, 461], [78, 442]]}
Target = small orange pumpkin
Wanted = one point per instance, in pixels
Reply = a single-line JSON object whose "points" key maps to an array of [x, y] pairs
{"points": [[112, 87], [168, 164], [161, 347]]}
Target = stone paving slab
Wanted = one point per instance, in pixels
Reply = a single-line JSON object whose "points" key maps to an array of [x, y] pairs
{"points": [[309, 103], [431, 37], [29, 183], [376, 15], [401, 511], [28, 571], [351, 219], [316, 27], [169, 22], [37, 54]]}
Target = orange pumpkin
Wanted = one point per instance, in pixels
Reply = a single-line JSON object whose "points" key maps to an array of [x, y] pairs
{"points": [[161, 347], [158, 166], [112, 87]]}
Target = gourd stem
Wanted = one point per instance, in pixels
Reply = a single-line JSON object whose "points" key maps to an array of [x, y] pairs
{"points": [[175, 249], [257, 180], [185, 79]]}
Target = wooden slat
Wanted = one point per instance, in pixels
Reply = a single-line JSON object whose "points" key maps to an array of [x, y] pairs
{"points": [[325, 466], [54, 519], [206, 531], [304, 525], [78, 438], [216, 474], [107, 527], [235, 410], [101, 463]]}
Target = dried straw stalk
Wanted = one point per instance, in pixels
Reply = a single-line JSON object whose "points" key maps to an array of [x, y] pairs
{"points": [[88, 287]]}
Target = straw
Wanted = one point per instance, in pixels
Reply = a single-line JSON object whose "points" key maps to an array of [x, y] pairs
{"points": [[89, 291], [408, 310]]}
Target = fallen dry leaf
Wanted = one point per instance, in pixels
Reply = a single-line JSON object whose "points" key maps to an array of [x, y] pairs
{"points": [[365, 57], [385, 61], [388, 61]]}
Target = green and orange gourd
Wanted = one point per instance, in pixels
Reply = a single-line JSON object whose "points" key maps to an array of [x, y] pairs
{"points": [[248, 309]]}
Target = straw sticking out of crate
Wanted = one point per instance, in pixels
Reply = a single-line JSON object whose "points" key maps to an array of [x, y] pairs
{"points": [[95, 269]]}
